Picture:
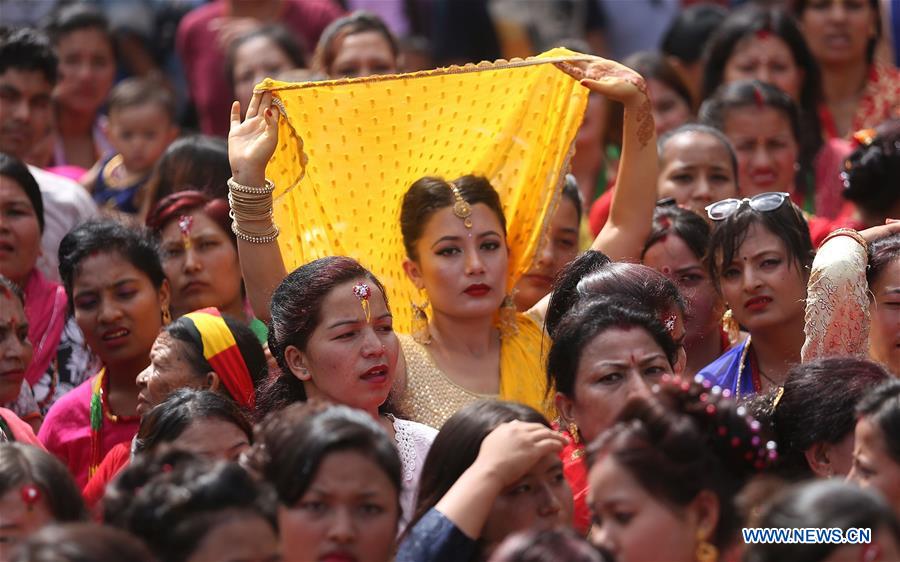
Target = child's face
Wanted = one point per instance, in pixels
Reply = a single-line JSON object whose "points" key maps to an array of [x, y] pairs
{"points": [[140, 134]]}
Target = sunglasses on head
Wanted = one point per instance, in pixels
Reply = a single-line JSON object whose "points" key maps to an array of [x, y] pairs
{"points": [[764, 202]]}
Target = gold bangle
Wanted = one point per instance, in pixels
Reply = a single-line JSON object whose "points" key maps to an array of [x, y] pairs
{"points": [[849, 232], [264, 238], [240, 188]]}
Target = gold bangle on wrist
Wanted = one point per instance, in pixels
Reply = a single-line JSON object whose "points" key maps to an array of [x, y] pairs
{"points": [[849, 232], [240, 188]]}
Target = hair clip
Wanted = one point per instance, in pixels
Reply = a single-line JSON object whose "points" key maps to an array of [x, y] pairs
{"points": [[31, 494], [778, 394], [185, 225], [461, 207], [864, 137], [362, 292], [669, 323]]}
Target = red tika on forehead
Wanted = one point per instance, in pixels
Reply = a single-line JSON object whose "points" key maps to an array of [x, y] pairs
{"points": [[758, 97], [763, 33]]}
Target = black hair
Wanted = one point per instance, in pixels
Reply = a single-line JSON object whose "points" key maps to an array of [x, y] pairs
{"points": [[193, 162], [168, 419], [571, 192], [870, 172], [22, 464], [16, 170], [752, 19], [295, 311], [27, 49], [77, 16], [81, 542], [138, 91], [548, 545], [747, 93], [247, 343], [818, 405], [882, 253], [277, 34], [564, 294], [881, 407], [699, 129], [108, 237], [684, 440], [588, 319], [801, 5], [456, 446], [356, 22], [683, 223], [786, 222], [430, 194], [690, 30], [173, 499], [293, 443], [828, 504]]}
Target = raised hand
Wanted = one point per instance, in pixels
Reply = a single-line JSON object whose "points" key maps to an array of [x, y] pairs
{"points": [[510, 450], [890, 226], [609, 78], [252, 142]]}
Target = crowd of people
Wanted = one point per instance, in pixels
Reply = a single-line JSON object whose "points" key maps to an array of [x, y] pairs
{"points": [[705, 339]]}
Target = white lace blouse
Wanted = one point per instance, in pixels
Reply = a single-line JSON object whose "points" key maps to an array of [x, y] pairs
{"points": [[413, 442]]}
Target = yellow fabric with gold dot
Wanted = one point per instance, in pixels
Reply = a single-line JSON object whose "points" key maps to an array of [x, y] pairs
{"points": [[349, 149]]}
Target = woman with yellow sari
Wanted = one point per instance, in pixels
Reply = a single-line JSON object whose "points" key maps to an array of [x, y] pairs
{"points": [[468, 345]]}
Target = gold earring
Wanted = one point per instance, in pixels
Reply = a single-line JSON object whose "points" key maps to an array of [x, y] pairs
{"points": [[166, 316], [706, 551], [509, 325], [731, 327], [420, 331], [573, 431]]}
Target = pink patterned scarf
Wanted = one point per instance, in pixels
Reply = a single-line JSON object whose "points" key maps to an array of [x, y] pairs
{"points": [[45, 308]]}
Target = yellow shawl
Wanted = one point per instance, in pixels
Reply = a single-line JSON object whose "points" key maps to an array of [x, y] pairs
{"points": [[349, 149]]}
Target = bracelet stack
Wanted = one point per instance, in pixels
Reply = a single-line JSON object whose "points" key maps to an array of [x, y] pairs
{"points": [[249, 206]]}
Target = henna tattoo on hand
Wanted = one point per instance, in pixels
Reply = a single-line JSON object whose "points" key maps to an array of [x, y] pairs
{"points": [[645, 123]]}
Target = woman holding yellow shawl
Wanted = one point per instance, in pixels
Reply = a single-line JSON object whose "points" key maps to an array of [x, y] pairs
{"points": [[472, 344]]}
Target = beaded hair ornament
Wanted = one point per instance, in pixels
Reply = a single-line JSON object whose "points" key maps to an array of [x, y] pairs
{"points": [[746, 443], [461, 207], [362, 292]]}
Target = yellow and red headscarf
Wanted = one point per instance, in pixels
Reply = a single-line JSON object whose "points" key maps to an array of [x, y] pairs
{"points": [[222, 353]]}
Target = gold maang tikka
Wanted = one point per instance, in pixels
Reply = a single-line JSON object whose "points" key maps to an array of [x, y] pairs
{"points": [[461, 207]]}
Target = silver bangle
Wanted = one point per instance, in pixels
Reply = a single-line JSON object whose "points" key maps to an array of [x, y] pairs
{"points": [[240, 188], [241, 235]]}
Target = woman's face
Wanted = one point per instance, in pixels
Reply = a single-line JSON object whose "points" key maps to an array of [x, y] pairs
{"points": [[255, 59], [766, 149], [363, 54], [873, 465], [767, 58], [20, 232], [87, 66], [540, 500], [617, 364], [884, 332], [696, 171], [349, 359], [118, 309], [838, 31], [349, 512], [246, 536], [672, 257], [19, 521], [669, 109], [763, 287], [631, 523], [558, 248], [213, 438], [168, 371], [201, 263], [463, 270], [15, 347]]}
